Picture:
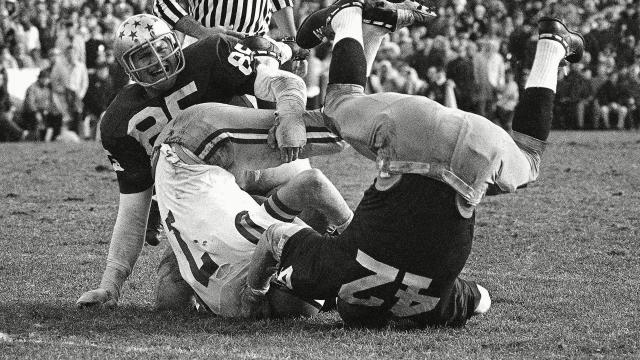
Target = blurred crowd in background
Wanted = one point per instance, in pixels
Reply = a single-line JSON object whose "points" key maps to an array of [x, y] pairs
{"points": [[475, 56]]}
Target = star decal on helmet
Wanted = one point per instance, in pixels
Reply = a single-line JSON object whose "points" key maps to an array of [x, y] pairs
{"points": [[149, 27], [121, 35], [133, 35], [136, 24]]}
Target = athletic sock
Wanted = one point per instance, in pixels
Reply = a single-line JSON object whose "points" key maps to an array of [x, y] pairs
{"points": [[348, 63], [534, 112], [347, 23], [544, 72], [372, 38], [278, 210]]}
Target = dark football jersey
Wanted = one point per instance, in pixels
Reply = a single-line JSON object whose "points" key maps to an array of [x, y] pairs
{"points": [[216, 69], [400, 255]]}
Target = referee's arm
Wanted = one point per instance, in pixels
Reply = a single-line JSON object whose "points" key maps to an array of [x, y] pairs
{"points": [[175, 13], [283, 17]]}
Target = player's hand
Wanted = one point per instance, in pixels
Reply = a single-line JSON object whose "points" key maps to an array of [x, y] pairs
{"points": [[98, 297], [298, 63], [216, 30], [291, 135]]}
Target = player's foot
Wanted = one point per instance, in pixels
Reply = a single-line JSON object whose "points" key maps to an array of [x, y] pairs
{"points": [[317, 26], [554, 29], [393, 15], [485, 301]]}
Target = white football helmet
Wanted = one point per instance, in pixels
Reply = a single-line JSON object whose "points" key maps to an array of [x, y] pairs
{"points": [[150, 36]]}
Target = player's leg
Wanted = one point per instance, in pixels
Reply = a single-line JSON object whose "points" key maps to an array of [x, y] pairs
{"points": [[172, 292], [534, 112], [310, 189]]}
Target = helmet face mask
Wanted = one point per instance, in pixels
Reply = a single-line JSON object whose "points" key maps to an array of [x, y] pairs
{"points": [[148, 50], [154, 61]]}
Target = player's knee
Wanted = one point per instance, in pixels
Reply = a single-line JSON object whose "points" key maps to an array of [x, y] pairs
{"points": [[312, 182]]}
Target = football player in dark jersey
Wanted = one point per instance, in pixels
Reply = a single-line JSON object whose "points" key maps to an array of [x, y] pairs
{"points": [[412, 232], [168, 80]]}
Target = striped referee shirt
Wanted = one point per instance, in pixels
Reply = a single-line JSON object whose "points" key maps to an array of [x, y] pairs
{"points": [[251, 17]]}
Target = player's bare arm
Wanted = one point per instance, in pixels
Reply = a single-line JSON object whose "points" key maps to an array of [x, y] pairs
{"points": [[125, 246]]}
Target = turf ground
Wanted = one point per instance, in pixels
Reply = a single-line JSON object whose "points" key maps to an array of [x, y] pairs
{"points": [[560, 259]]}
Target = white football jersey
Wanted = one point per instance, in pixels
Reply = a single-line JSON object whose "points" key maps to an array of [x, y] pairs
{"points": [[213, 227]]}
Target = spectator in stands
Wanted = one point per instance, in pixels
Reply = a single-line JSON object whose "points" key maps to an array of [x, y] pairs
{"points": [[460, 71], [630, 81], [484, 91], [611, 97], [438, 88], [572, 97], [97, 99], [40, 115], [413, 84], [109, 21], [46, 31], [9, 130], [68, 37], [60, 71], [23, 59], [386, 78], [7, 60], [94, 46], [508, 97], [76, 87]]}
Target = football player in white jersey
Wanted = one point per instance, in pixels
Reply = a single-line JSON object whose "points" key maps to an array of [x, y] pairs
{"points": [[411, 234], [211, 223]]}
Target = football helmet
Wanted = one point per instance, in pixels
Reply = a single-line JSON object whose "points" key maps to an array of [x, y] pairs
{"points": [[148, 50]]}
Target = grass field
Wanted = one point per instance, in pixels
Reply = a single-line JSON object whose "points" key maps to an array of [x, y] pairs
{"points": [[560, 258]]}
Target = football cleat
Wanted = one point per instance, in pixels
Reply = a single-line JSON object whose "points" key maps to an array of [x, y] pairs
{"points": [[386, 14], [317, 26], [554, 29], [396, 15]]}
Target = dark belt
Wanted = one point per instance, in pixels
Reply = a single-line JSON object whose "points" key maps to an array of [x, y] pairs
{"points": [[182, 155]]}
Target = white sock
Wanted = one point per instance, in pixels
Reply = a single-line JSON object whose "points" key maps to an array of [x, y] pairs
{"points": [[372, 37], [544, 72], [485, 301], [347, 23]]}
